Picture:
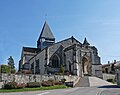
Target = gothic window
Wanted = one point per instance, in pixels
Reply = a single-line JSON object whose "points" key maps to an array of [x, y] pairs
{"points": [[37, 67], [32, 66], [55, 61], [70, 67]]}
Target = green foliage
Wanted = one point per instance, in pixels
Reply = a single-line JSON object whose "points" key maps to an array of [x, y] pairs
{"points": [[5, 69], [33, 89], [11, 62], [13, 71], [33, 84], [14, 85], [58, 83], [10, 68], [111, 80], [112, 69], [22, 85], [51, 80], [26, 72], [62, 70], [47, 83], [10, 85], [63, 80]]}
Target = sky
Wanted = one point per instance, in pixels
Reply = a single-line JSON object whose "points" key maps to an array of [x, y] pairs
{"points": [[21, 22]]}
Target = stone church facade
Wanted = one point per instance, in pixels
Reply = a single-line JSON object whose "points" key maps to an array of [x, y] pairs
{"points": [[75, 57]]}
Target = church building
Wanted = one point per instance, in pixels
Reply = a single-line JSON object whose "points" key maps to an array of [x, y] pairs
{"points": [[49, 56]]}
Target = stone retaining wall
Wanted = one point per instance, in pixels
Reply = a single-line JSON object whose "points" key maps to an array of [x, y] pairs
{"points": [[108, 76], [22, 78]]}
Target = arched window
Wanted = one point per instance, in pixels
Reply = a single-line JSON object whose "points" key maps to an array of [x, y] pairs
{"points": [[55, 61]]}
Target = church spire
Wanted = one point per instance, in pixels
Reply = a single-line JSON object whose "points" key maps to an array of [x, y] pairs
{"points": [[85, 42], [46, 32], [46, 37]]}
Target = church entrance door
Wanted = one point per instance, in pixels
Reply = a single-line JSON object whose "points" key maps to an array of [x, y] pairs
{"points": [[85, 65]]}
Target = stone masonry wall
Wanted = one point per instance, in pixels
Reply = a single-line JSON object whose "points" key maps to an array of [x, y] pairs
{"points": [[21, 78]]}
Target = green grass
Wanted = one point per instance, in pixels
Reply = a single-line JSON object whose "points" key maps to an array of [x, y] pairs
{"points": [[33, 89]]}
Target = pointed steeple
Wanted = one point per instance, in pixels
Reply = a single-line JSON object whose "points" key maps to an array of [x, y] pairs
{"points": [[46, 37], [85, 42], [46, 32]]}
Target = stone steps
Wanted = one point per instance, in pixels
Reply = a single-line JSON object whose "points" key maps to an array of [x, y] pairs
{"points": [[88, 81], [94, 81], [83, 82]]}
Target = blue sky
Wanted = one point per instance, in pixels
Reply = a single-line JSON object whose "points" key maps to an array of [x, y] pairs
{"points": [[21, 22]]}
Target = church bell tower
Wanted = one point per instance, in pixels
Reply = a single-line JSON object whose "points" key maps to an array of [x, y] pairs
{"points": [[46, 37]]}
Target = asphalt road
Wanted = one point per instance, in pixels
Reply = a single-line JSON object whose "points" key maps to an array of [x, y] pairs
{"points": [[72, 91], [111, 92]]}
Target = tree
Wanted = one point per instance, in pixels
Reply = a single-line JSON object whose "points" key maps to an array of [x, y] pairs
{"points": [[62, 70], [112, 69], [11, 62], [5, 69]]}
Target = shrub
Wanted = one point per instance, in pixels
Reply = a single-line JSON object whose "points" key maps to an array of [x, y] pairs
{"points": [[69, 84], [5, 69], [47, 83], [62, 70], [13, 71], [26, 72], [63, 80], [110, 80], [51, 80], [21, 85], [33, 84], [10, 85], [58, 83]]}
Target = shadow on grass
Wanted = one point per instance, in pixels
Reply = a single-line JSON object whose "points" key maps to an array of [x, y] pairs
{"points": [[109, 86]]}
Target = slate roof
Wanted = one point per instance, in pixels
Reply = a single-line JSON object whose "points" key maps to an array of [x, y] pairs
{"points": [[46, 32], [58, 43], [117, 64], [30, 49], [105, 65]]}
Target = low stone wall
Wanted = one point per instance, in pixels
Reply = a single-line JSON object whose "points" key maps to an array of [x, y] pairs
{"points": [[21, 78], [108, 76]]}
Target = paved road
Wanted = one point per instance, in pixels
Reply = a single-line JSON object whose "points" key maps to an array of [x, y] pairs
{"points": [[72, 91], [110, 92]]}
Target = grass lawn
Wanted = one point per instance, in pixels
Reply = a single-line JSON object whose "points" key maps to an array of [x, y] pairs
{"points": [[34, 89]]}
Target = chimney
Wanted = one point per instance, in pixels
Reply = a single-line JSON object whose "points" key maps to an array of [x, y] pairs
{"points": [[108, 62]]}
